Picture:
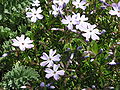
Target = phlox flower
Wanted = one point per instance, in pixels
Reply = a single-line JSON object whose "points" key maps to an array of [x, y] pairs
{"points": [[54, 73], [70, 21], [90, 31], [22, 43], [116, 10], [56, 10], [36, 3], [80, 4], [49, 60], [60, 2], [34, 14]]}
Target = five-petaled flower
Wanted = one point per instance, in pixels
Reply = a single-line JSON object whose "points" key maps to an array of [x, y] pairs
{"points": [[22, 43], [89, 31], [49, 60], [54, 73], [79, 4], [116, 10], [34, 14]]}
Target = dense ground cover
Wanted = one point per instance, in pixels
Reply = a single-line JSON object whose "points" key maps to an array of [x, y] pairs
{"points": [[60, 44]]}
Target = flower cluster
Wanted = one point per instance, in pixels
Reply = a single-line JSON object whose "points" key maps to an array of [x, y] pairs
{"points": [[89, 31], [49, 61], [34, 13]]}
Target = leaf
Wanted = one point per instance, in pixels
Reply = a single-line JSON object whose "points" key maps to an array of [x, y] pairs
{"points": [[94, 47]]}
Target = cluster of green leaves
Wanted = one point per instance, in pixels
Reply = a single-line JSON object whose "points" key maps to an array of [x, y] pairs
{"points": [[19, 76], [81, 73]]}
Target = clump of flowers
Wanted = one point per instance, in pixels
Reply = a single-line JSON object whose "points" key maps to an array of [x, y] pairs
{"points": [[49, 62], [22, 43]]}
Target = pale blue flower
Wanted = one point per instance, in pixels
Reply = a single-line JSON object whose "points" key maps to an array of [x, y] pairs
{"points": [[49, 60], [54, 73], [35, 14], [22, 43]]}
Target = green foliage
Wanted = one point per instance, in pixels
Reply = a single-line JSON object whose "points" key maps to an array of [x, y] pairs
{"points": [[19, 76], [82, 72]]}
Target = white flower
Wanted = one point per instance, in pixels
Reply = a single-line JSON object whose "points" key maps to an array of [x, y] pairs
{"points": [[112, 63], [54, 73], [90, 31], [49, 59], [116, 10], [60, 2], [22, 43], [70, 21], [56, 10], [79, 4], [36, 3], [34, 14]]}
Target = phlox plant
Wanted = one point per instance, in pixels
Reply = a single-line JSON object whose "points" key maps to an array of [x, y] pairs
{"points": [[60, 44]]}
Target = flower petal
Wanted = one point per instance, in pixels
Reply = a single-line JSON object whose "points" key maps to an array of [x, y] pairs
{"points": [[39, 16], [56, 76], [112, 12], [55, 67], [60, 72], [51, 53], [87, 35], [48, 75], [56, 57], [115, 7], [48, 70], [34, 19], [94, 37], [44, 63], [29, 14], [22, 47], [45, 56]]}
